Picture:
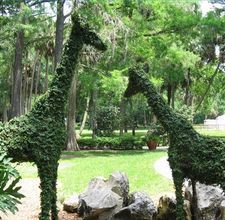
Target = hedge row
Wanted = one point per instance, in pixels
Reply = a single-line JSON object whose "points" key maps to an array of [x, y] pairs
{"points": [[113, 143]]}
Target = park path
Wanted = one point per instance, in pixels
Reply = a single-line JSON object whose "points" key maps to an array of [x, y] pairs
{"points": [[30, 207], [162, 167]]}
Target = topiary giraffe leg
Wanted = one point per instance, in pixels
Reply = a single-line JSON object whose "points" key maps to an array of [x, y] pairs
{"points": [[45, 174], [54, 211], [178, 183]]}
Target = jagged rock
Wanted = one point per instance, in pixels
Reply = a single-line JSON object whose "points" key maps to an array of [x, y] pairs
{"points": [[210, 201], [140, 207], [71, 204], [94, 202], [119, 183], [167, 209], [103, 197]]}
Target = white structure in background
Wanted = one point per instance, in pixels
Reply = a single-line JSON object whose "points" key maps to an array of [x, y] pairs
{"points": [[218, 123]]}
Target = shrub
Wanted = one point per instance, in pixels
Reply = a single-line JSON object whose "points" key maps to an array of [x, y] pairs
{"points": [[9, 192], [107, 120], [113, 143]]}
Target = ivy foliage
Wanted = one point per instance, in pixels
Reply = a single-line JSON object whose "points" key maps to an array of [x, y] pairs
{"points": [[39, 136], [9, 191], [191, 155]]}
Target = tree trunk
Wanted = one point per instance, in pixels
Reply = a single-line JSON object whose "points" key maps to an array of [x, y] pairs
{"points": [[5, 114], [25, 88], [154, 118], [46, 74], [133, 123], [187, 88], [173, 91], [122, 115], [169, 94], [59, 33], [93, 112], [37, 79], [144, 119], [32, 80], [125, 116], [17, 76], [85, 116], [71, 119]]}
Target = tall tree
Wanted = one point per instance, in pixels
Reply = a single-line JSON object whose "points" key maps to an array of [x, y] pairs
{"points": [[71, 117], [59, 32], [16, 97]]}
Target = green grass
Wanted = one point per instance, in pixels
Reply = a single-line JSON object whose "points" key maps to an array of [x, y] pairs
{"points": [[212, 133], [76, 170]]}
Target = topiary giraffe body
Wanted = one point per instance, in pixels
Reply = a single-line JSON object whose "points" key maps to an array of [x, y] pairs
{"points": [[39, 136], [191, 155]]}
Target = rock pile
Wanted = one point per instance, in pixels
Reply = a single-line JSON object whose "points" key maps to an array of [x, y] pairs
{"points": [[110, 200]]}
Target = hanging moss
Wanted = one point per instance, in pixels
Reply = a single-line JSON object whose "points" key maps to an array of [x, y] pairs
{"points": [[191, 155], [40, 135]]}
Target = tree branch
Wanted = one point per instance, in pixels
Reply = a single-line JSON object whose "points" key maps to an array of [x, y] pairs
{"points": [[38, 2], [208, 87], [67, 15]]}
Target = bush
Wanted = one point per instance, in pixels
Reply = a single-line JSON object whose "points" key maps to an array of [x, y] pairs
{"points": [[107, 120], [113, 143], [9, 192]]}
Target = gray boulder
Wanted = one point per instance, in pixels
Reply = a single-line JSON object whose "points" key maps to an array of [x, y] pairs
{"points": [[103, 197], [118, 182], [210, 201], [140, 207]]}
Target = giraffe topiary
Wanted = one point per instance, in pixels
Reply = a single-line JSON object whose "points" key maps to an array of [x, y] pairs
{"points": [[191, 155], [39, 136]]}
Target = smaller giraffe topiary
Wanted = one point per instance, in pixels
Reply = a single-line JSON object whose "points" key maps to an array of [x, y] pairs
{"points": [[191, 155], [39, 136]]}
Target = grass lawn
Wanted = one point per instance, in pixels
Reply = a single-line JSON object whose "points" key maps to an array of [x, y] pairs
{"points": [[213, 133], [77, 168]]}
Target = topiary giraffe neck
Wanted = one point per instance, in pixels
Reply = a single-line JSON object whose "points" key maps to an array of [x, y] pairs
{"points": [[59, 88], [138, 82]]}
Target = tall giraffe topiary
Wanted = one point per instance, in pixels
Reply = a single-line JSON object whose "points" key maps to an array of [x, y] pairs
{"points": [[39, 136], [191, 155]]}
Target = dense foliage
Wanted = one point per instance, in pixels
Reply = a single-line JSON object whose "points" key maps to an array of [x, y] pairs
{"points": [[191, 155]]}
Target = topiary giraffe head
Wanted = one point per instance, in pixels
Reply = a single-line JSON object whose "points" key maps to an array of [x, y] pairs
{"points": [[88, 36], [136, 77]]}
